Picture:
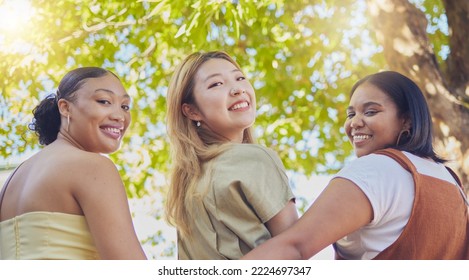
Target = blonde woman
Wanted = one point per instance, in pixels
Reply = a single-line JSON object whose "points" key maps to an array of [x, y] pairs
{"points": [[227, 195]]}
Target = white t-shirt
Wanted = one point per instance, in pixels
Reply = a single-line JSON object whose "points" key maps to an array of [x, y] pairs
{"points": [[390, 190]]}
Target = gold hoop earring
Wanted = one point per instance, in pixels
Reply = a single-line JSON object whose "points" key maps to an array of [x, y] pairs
{"points": [[68, 122], [405, 133]]}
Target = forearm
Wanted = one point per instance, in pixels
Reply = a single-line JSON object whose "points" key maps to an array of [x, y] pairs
{"points": [[274, 249]]}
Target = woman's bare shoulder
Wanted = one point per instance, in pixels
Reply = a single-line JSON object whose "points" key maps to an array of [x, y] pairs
{"points": [[80, 166]]}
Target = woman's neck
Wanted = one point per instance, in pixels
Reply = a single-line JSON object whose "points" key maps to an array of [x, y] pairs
{"points": [[66, 137]]}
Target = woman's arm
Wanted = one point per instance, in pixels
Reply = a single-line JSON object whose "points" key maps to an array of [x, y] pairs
{"points": [[283, 220], [101, 195], [340, 209]]}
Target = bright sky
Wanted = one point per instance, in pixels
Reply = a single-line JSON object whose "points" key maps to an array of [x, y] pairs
{"points": [[15, 15]]}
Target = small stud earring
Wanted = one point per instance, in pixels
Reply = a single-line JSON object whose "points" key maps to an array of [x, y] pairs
{"points": [[198, 123]]}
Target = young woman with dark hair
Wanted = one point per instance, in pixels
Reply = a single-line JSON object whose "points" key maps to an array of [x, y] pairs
{"points": [[396, 200], [68, 200]]}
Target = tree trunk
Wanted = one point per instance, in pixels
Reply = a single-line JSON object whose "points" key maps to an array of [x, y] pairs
{"points": [[401, 30], [457, 75]]}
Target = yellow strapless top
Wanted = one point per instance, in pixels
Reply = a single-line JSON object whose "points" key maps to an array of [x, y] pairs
{"points": [[46, 235]]}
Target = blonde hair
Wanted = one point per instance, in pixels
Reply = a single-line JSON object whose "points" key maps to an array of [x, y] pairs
{"points": [[191, 146]]}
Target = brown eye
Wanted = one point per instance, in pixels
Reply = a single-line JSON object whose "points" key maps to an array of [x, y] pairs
{"points": [[370, 113], [214, 84]]}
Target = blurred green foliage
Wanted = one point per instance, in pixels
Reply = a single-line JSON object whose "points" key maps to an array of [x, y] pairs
{"points": [[301, 56]]}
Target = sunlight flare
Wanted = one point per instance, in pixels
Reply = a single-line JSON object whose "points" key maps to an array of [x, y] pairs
{"points": [[15, 16]]}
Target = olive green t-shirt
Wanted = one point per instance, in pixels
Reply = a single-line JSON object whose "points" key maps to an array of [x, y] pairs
{"points": [[239, 191]]}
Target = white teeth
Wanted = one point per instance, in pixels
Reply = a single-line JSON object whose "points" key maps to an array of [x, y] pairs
{"points": [[239, 106], [361, 137], [113, 130]]}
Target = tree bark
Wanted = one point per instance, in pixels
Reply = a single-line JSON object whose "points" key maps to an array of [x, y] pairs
{"points": [[401, 30], [457, 74]]}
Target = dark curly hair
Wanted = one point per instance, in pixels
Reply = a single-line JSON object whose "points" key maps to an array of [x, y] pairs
{"points": [[46, 122]]}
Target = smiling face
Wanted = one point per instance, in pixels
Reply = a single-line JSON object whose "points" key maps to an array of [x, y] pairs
{"points": [[100, 114], [373, 120], [225, 101]]}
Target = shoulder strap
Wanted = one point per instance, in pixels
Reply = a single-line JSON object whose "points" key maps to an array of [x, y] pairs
{"points": [[400, 158], [460, 187], [4, 189], [455, 176], [408, 165]]}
